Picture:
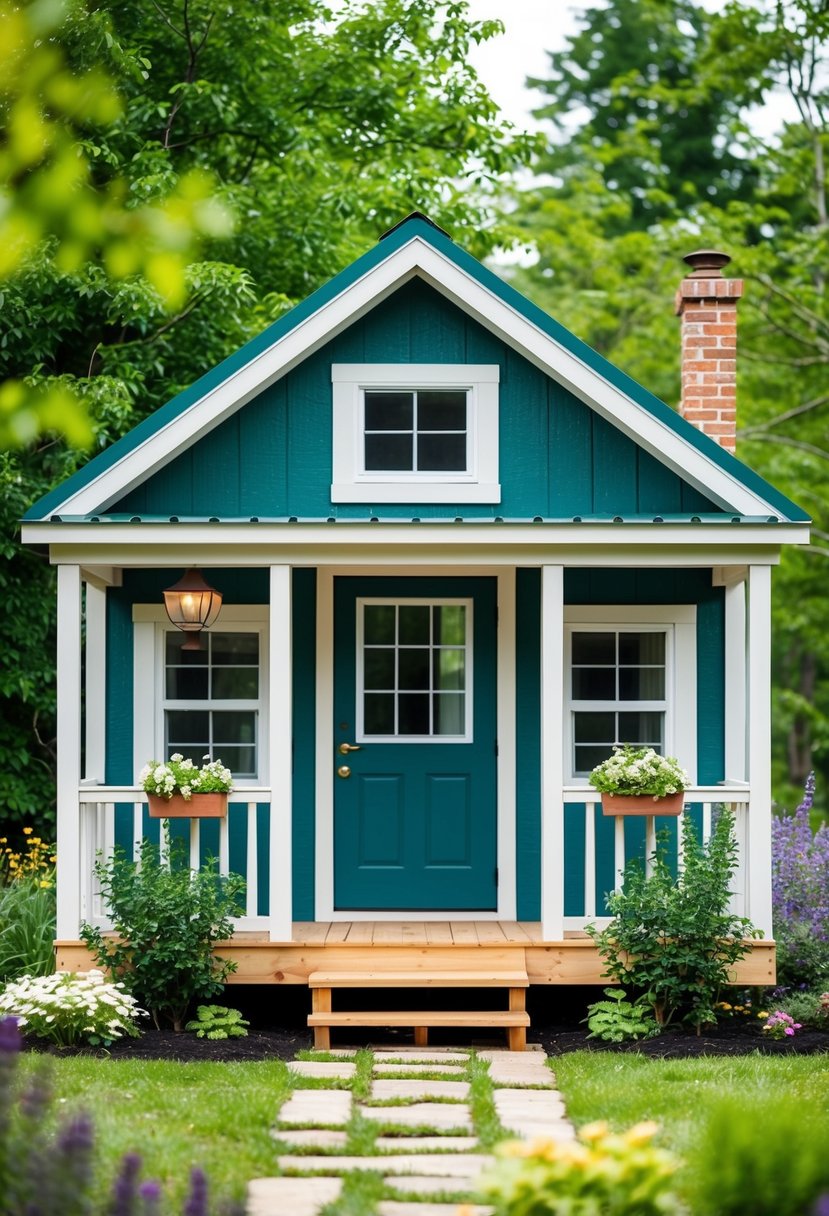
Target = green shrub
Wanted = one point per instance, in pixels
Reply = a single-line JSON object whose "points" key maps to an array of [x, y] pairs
{"points": [[808, 1008], [166, 919], [674, 941], [616, 1019], [600, 1174], [27, 927], [218, 1022], [66, 1009], [767, 1160]]}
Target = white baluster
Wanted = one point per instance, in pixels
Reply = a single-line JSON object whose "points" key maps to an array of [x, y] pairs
{"points": [[195, 842], [252, 889], [619, 850], [224, 844]]}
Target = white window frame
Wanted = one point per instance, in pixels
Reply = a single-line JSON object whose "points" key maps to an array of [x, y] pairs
{"points": [[151, 624], [351, 482], [679, 624], [359, 690]]}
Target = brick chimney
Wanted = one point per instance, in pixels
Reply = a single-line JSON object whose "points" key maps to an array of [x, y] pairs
{"points": [[706, 304]]}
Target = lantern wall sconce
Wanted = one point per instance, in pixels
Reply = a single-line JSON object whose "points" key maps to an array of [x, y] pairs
{"points": [[192, 606]]}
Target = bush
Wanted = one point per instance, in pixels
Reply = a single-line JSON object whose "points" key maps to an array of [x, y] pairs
{"points": [[66, 1009], [50, 1173], [800, 895], [808, 1008], [768, 1161], [27, 927], [166, 919], [673, 940], [601, 1172], [617, 1019], [218, 1022]]}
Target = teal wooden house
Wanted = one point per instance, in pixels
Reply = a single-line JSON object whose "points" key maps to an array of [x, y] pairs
{"points": [[461, 556]]}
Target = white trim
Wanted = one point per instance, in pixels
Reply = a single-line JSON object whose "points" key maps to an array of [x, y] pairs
{"points": [[680, 702], [735, 681], [416, 257], [95, 684], [238, 614], [280, 749], [353, 483], [759, 748], [552, 753], [69, 909], [145, 696], [324, 773]]}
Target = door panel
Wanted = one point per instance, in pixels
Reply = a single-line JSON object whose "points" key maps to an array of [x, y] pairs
{"points": [[415, 819]]}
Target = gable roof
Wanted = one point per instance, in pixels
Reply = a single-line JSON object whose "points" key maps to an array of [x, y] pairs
{"points": [[416, 246]]}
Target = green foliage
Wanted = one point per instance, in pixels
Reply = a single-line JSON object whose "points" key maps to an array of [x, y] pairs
{"points": [[218, 1022], [603, 1172], [746, 1162], [674, 940], [617, 1019], [809, 1008], [165, 921], [27, 927]]}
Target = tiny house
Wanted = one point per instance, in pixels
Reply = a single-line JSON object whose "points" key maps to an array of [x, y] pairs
{"points": [[460, 557]]}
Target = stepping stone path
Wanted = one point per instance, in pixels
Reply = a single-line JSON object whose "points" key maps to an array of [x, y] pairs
{"points": [[428, 1157]]}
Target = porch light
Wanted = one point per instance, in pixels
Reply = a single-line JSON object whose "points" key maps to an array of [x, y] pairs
{"points": [[192, 606]]}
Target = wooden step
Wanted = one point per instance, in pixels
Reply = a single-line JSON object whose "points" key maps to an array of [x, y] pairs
{"points": [[437, 1017], [380, 978]]}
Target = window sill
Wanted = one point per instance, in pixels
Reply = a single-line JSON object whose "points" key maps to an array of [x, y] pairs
{"points": [[416, 492]]}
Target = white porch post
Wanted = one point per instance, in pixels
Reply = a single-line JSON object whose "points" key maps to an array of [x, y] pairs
{"points": [[759, 747], [280, 753], [95, 679], [733, 579], [69, 876], [552, 753]]}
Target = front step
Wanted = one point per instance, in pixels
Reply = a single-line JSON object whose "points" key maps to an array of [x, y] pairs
{"points": [[515, 1019]]}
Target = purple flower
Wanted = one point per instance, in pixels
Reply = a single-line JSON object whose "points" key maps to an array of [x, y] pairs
{"points": [[196, 1202], [9, 1037], [821, 1207], [800, 886], [124, 1188], [149, 1193]]}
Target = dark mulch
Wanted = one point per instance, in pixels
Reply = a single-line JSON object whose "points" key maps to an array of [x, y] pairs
{"points": [[678, 1044]]}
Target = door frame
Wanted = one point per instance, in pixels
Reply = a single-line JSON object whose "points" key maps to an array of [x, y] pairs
{"points": [[506, 770]]}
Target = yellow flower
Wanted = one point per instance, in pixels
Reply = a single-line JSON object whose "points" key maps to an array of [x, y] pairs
{"points": [[642, 1132], [28, 831], [764, 1013], [44, 883], [594, 1131], [725, 1005]]}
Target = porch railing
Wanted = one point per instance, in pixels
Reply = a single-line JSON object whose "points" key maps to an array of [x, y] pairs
{"points": [[609, 843], [115, 814]]}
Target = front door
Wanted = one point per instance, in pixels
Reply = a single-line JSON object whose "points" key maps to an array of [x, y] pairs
{"points": [[414, 764]]}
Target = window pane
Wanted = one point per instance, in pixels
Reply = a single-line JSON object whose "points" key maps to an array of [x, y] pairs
{"points": [[638, 648], [189, 751], [378, 624], [642, 683], [441, 453], [450, 625], [234, 649], [234, 726], [590, 649], [449, 668], [413, 714], [414, 625], [389, 453], [441, 410], [379, 668], [240, 760], [173, 640], [594, 684], [449, 709], [236, 683], [587, 757], [188, 726], [595, 728], [389, 411], [413, 668], [378, 713], [187, 683], [642, 728]]}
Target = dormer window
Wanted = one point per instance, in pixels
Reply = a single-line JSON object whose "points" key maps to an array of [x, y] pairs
{"points": [[415, 433]]}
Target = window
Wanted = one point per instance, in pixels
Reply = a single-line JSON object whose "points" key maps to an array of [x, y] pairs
{"points": [[622, 680], [414, 669], [415, 433]]}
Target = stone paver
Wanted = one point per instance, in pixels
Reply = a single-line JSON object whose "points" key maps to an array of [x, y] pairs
{"points": [[416, 1070], [425, 1144], [310, 1137], [458, 1091], [518, 1068], [533, 1112], [441, 1115], [324, 1107], [299, 1196], [417, 1055], [445, 1165], [423, 1184], [328, 1069], [395, 1207]]}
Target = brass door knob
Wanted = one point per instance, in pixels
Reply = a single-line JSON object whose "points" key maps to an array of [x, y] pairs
{"points": [[343, 771], [345, 748]]}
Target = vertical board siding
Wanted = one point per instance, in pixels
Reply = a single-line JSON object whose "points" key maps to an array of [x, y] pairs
{"points": [[304, 610], [273, 457], [528, 743]]}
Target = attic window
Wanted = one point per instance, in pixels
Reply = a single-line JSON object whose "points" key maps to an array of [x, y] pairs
{"points": [[414, 433]]}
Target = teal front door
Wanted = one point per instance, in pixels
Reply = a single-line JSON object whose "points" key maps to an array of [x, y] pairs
{"points": [[415, 753]]}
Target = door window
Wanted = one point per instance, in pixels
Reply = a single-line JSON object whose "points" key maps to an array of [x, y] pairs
{"points": [[414, 666]]}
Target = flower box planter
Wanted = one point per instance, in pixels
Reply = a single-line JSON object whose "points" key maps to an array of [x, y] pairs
{"points": [[642, 804], [198, 806]]}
